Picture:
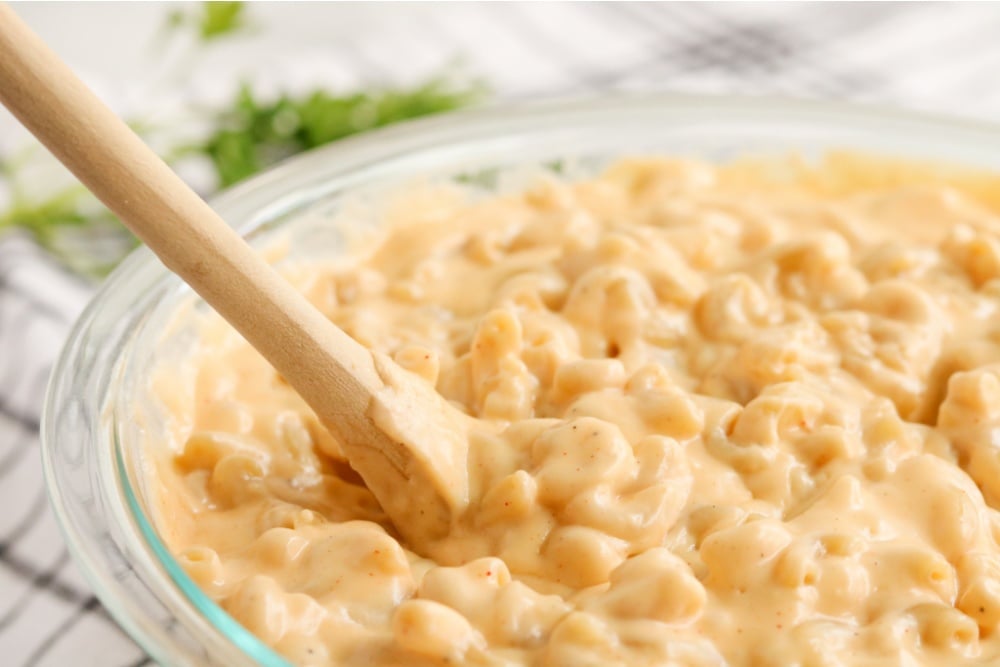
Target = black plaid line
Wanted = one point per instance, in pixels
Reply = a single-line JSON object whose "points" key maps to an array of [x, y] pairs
{"points": [[15, 313], [600, 79], [718, 44], [745, 49], [11, 374], [15, 327], [26, 422], [596, 77], [141, 662], [692, 48], [769, 49], [27, 425], [26, 523], [52, 638], [38, 580], [11, 459], [23, 432], [21, 252], [603, 78], [20, 247], [38, 306], [49, 582], [739, 49]]}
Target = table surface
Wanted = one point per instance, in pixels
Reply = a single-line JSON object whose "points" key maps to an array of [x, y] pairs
{"points": [[936, 57]]}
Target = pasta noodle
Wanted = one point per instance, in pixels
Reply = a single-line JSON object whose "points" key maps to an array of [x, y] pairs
{"points": [[724, 415]]}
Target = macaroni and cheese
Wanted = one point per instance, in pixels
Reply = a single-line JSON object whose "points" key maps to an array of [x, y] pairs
{"points": [[723, 415]]}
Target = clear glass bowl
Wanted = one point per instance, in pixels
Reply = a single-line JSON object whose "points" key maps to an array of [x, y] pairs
{"points": [[90, 430]]}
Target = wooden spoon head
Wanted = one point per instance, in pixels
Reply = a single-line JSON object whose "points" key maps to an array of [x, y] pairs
{"points": [[414, 456]]}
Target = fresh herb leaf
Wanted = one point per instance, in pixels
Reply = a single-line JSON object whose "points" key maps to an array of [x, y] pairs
{"points": [[481, 178], [248, 136], [212, 19], [220, 18], [254, 135], [70, 224]]}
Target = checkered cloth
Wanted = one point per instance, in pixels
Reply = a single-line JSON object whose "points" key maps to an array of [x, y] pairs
{"points": [[942, 57]]}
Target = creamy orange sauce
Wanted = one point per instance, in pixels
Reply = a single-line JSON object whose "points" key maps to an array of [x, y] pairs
{"points": [[736, 415]]}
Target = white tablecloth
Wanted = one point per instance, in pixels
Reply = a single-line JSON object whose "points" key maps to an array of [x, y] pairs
{"points": [[941, 57]]}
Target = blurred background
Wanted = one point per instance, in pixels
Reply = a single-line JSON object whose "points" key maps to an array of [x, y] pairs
{"points": [[223, 90]]}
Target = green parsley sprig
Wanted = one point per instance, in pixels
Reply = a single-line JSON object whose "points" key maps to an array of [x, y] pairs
{"points": [[254, 135], [211, 20], [246, 136]]}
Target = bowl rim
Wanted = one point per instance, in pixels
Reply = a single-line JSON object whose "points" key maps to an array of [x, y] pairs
{"points": [[414, 136], [484, 118]]}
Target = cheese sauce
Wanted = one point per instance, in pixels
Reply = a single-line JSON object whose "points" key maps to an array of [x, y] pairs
{"points": [[723, 415]]}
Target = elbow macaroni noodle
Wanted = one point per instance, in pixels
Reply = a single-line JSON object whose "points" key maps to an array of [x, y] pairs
{"points": [[726, 415]]}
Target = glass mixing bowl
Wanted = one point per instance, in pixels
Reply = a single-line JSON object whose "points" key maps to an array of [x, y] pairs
{"points": [[98, 408]]}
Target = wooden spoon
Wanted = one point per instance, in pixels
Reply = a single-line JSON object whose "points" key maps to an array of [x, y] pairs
{"points": [[407, 443]]}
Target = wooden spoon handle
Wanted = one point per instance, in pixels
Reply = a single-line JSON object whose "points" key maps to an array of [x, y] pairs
{"points": [[187, 235], [338, 377]]}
